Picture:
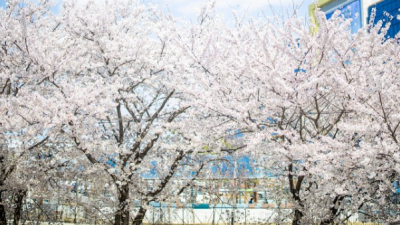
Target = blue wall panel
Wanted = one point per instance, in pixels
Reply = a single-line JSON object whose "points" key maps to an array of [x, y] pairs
{"points": [[352, 11], [392, 8]]}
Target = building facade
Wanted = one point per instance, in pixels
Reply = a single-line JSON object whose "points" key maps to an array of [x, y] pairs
{"points": [[387, 10], [360, 12]]}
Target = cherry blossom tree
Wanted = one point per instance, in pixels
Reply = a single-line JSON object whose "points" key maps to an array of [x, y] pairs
{"points": [[128, 99], [295, 96], [124, 110], [28, 66]]}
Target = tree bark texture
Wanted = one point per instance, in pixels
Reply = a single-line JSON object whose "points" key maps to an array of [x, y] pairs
{"points": [[3, 218], [139, 216], [297, 217], [122, 214], [19, 198]]}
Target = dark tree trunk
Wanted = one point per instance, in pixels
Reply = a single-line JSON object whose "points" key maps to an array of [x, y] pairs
{"points": [[139, 216], [327, 222], [330, 220], [19, 197], [122, 214], [295, 191], [3, 218], [334, 210], [297, 217]]}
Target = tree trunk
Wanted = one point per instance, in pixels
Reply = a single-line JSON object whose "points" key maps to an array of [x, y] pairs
{"points": [[297, 217], [295, 191], [19, 197], [122, 214], [3, 219], [327, 222], [139, 216], [330, 220], [334, 210]]}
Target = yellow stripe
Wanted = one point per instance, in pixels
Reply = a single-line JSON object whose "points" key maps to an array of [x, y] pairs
{"points": [[311, 12]]}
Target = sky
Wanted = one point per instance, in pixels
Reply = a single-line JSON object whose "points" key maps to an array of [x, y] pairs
{"points": [[187, 9]]}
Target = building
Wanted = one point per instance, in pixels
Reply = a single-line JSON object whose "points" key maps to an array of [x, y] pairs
{"points": [[391, 7], [360, 12]]}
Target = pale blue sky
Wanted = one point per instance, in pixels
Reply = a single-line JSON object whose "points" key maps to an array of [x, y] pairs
{"points": [[187, 8]]}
